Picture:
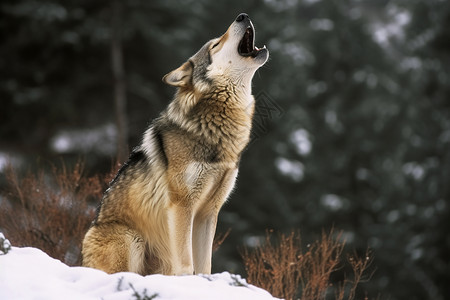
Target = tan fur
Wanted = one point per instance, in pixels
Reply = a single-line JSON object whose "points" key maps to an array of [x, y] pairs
{"points": [[160, 213]]}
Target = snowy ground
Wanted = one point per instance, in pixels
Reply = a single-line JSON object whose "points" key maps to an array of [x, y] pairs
{"points": [[29, 273]]}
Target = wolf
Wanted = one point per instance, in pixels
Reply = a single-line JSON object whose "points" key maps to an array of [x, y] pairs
{"points": [[159, 214]]}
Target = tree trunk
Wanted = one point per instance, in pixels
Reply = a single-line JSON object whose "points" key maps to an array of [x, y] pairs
{"points": [[120, 98]]}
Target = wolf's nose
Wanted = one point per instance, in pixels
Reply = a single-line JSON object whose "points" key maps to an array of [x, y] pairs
{"points": [[241, 17]]}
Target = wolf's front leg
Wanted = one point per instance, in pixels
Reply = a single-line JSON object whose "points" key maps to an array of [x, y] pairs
{"points": [[203, 237], [206, 220], [180, 231]]}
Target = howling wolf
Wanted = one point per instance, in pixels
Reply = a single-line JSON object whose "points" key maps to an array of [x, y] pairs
{"points": [[159, 214]]}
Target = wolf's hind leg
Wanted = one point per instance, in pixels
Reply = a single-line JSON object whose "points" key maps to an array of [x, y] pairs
{"points": [[114, 248]]}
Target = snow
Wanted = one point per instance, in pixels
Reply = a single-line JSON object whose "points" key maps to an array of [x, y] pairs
{"points": [[394, 28], [300, 139], [100, 140], [29, 273], [321, 24], [332, 202], [292, 168]]}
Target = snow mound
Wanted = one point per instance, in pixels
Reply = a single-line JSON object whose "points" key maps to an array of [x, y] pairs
{"points": [[29, 273]]}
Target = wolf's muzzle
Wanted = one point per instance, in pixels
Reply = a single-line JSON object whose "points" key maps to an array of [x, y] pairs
{"points": [[242, 17]]}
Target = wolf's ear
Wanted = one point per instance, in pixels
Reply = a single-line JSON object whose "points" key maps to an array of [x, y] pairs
{"points": [[181, 76]]}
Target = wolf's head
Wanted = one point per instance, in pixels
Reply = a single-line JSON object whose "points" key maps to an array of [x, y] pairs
{"points": [[229, 59]]}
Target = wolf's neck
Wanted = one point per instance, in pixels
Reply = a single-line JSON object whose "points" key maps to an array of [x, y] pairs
{"points": [[222, 116], [243, 89]]}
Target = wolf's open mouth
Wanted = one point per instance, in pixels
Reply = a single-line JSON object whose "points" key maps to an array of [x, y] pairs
{"points": [[247, 44]]}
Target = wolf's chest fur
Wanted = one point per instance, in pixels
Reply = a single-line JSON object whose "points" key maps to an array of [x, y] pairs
{"points": [[218, 124], [204, 142]]}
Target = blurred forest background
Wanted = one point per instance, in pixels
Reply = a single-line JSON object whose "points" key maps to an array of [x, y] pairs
{"points": [[352, 127]]}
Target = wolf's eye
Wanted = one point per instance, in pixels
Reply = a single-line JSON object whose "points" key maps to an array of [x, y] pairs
{"points": [[215, 45]]}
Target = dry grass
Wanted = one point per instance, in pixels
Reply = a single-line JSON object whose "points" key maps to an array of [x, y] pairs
{"points": [[347, 288], [50, 212], [219, 238], [280, 266], [274, 266]]}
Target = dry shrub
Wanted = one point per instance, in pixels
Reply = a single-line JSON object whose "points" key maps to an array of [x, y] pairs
{"points": [[219, 238], [347, 288], [274, 265], [281, 267], [50, 212]]}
